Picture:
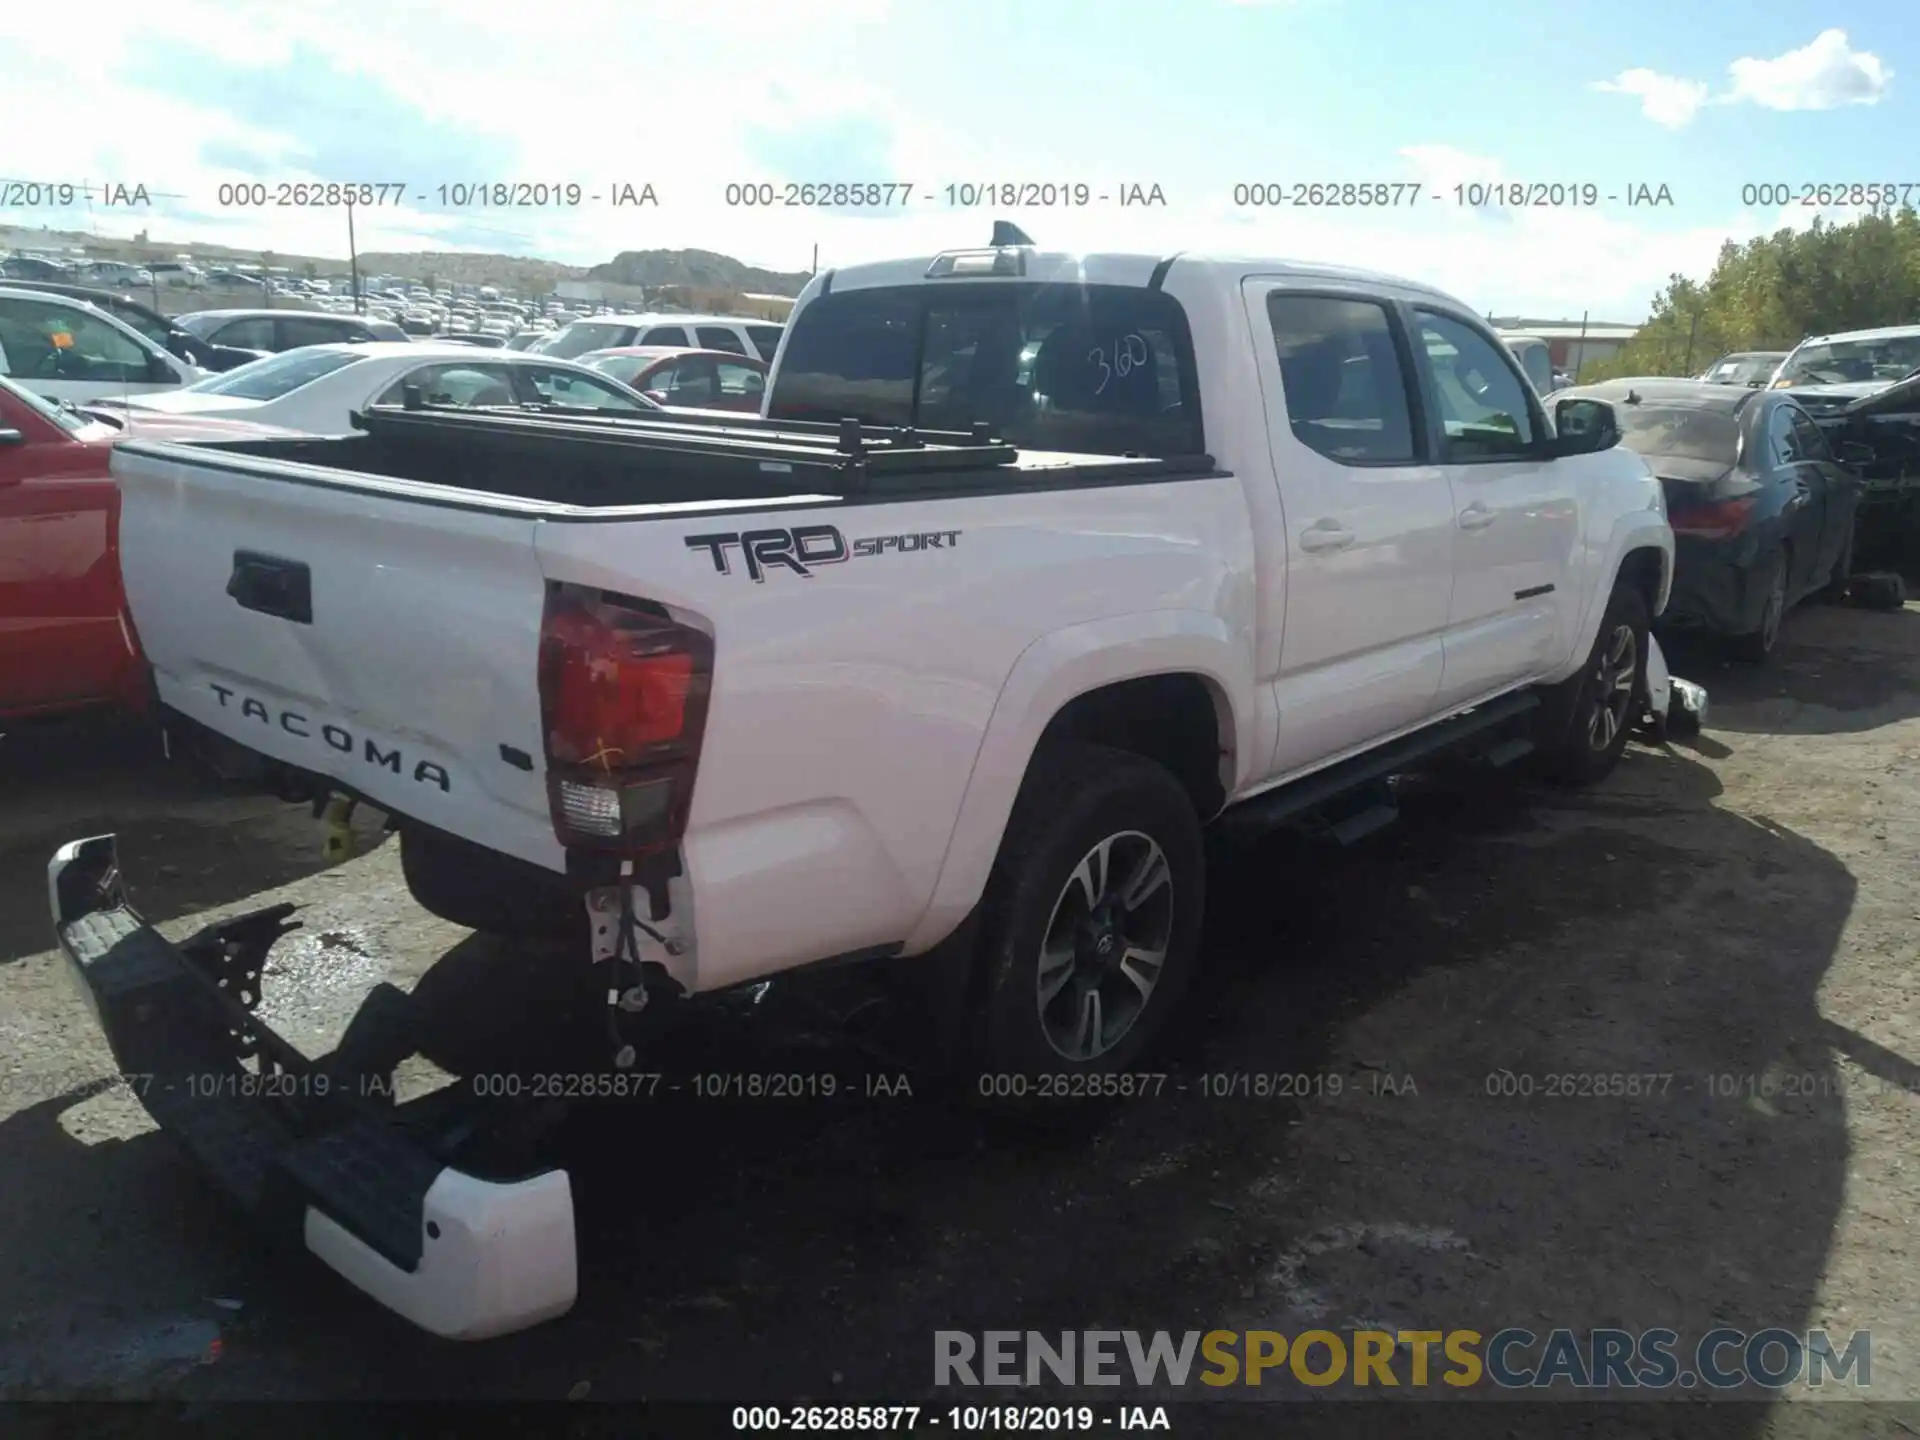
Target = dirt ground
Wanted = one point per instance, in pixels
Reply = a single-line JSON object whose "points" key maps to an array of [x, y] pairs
{"points": [[1744, 906]]}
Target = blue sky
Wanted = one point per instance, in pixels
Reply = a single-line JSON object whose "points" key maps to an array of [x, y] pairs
{"points": [[1193, 96]]}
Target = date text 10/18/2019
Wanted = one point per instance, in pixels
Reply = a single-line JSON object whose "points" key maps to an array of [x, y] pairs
{"points": [[1474, 195]]}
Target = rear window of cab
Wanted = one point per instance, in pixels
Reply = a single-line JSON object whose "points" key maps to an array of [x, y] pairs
{"points": [[1092, 369]]}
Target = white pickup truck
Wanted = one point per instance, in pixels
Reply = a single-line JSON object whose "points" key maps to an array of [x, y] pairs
{"points": [[1035, 565]]}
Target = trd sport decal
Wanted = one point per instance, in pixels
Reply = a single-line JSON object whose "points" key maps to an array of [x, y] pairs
{"points": [[805, 548]]}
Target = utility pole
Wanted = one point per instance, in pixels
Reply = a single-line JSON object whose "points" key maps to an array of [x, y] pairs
{"points": [[353, 261]]}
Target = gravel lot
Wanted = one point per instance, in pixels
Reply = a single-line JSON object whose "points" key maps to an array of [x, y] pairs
{"points": [[1742, 907]]}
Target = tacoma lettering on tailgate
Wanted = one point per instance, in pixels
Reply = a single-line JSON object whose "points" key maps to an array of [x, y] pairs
{"points": [[424, 772], [805, 548]]}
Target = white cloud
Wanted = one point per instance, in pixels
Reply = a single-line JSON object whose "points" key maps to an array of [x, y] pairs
{"points": [[1667, 100], [1823, 75], [488, 77]]}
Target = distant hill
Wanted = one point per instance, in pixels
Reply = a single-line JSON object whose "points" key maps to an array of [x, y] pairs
{"points": [[510, 272], [695, 270]]}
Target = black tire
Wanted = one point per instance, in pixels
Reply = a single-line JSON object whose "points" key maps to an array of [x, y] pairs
{"points": [[1756, 646], [1575, 747], [1834, 592], [466, 885], [1077, 798]]}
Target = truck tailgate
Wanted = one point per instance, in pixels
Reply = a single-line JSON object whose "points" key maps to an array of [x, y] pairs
{"points": [[390, 643]]}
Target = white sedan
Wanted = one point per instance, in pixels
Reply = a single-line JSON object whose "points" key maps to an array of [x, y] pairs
{"points": [[315, 388]]}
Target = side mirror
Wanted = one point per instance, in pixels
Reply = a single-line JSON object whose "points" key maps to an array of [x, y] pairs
{"points": [[1584, 427], [12, 437]]}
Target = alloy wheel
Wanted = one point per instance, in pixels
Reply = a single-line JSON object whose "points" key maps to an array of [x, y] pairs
{"points": [[1105, 945]]}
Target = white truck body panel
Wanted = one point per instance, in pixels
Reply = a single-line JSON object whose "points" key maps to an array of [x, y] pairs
{"points": [[870, 724]]}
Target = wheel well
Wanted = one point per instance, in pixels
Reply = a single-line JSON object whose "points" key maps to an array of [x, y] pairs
{"points": [[1173, 720], [1641, 569]]}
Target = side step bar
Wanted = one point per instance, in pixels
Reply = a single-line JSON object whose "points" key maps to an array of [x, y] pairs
{"points": [[1325, 788], [290, 1141]]}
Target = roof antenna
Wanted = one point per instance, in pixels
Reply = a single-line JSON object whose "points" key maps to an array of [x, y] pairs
{"points": [[1005, 232]]}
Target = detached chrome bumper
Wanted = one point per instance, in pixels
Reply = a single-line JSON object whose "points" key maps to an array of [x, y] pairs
{"points": [[295, 1146]]}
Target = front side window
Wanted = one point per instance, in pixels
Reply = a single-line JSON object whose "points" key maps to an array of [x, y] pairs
{"points": [[1346, 388], [1482, 403], [571, 390], [277, 375], [674, 336], [1092, 369], [49, 341]]}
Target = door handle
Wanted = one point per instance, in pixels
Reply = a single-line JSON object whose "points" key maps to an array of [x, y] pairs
{"points": [[1476, 517], [272, 586], [1325, 536]]}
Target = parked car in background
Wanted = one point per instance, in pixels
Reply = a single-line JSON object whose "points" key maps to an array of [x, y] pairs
{"points": [[269, 332], [1851, 364], [67, 349], [1762, 510], [687, 379], [315, 389], [64, 639], [680, 332], [31, 267], [1744, 367], [177, 275], [1535, 358], [164, 332]]}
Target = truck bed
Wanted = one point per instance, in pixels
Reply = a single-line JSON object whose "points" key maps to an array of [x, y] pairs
{"points": [[620, 465]]}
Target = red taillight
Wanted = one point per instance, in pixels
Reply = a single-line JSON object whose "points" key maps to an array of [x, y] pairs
{"points": [[1717, 521], [623, 700]]}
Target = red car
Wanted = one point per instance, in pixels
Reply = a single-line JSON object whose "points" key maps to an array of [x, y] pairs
{"points": [[686, 379], [65, 640]]}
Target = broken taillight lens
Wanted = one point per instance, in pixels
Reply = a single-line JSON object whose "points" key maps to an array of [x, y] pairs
{"points": [[623, 702]]}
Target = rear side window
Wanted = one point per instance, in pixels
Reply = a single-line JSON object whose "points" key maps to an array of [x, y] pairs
{"points": [[253, 333], [675, 335], [719, 337], [1346, 388], [1098, 369], [298, 330], [766, 339]]}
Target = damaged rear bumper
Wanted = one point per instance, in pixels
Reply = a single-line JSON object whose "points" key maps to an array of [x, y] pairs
{"points": [[293, 1144]]}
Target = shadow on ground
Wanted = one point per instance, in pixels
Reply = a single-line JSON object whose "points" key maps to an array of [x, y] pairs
{"points": [[194, 841], [1441, 991], [1835, 671]]}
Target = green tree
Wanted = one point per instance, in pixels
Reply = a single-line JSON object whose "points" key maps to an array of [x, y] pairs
{"points": [[1771, 292]]}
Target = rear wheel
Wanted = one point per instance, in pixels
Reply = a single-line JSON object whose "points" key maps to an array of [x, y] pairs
{"points": [[1756, 645], [1091, 923], [1585, 720]]}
